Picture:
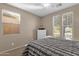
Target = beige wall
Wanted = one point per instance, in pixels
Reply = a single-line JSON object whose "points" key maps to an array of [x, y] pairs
{"points": [[47, 20], [29, 23]]}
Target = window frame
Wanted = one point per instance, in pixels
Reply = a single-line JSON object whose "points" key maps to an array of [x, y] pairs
{"points": [[54, 23], [63, 23]]}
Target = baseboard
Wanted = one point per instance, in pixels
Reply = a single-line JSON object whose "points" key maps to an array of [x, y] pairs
{"points": [[6, 51]]}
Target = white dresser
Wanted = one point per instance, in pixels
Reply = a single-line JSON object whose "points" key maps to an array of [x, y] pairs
{"points": [[41, 34]]}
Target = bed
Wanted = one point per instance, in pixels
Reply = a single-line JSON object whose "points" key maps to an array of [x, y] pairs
{"points": [[52, 47]]}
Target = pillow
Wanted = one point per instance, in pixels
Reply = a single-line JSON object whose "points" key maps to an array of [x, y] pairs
{"points": [[48, 36]]}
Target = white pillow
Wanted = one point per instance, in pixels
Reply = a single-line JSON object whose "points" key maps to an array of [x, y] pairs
{"points": [[49, 37]]}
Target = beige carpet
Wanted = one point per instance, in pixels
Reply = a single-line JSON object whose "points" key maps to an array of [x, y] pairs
{"points": [[16, 52]]}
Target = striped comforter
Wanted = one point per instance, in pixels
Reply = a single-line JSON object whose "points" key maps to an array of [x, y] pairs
{"points": [[52, 47]]}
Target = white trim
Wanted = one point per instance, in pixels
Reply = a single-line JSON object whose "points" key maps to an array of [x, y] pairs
{"points": [[6, 51]]}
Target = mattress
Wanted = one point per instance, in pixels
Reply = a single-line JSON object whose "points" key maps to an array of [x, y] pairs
{"points": [[52, 47]]}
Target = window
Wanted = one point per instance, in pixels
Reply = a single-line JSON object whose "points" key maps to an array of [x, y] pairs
{"points": [[63, 27], [11, 22], [67, 25], [56, 26]]}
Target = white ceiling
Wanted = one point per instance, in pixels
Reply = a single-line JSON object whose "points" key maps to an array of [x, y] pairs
{"points": [[39, 9]]}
